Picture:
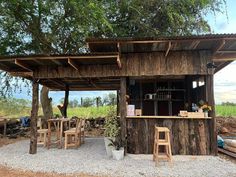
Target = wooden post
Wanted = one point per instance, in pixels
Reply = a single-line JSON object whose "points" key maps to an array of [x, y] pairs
{"points": [[211, 102], [5, 127], [34, 115], [65, 105], [117, 102], [123, 111]]}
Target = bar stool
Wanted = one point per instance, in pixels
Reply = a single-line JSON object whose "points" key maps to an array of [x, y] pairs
{"points": [[162, 142], [42, 139]]}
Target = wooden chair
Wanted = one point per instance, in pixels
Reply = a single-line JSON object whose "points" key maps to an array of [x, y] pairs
{"points": [[43, 134], [162, 142], [73, 135]]}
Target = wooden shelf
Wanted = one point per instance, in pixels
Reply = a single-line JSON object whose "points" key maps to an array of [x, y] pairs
{"points": [[171, 90], [164, 117], [163, 100]]}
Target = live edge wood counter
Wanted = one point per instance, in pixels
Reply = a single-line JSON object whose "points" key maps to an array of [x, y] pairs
{"points": [[189, 136]]}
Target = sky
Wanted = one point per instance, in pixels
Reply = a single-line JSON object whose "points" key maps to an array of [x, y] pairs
{"points": [[224, 80]]}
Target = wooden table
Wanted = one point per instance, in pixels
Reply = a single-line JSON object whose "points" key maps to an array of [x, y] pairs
{"points": [[59, 130]]}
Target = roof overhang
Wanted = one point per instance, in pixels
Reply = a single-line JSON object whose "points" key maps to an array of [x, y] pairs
{"points": [[108, 52]]}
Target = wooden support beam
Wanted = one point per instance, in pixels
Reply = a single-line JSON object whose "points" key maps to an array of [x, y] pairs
{"points": [[123, 112], [211, 101], [226, 57], [5, 127], [118, 61], [38, 62], [66, 101], [73, 64], [226, 51], [23, 65], [59, 83], [168, 49], [219, 46], [33, 119], [22, 74], [4, 67], [56, 62], [194, 44], [119, 54], [222, 65]]}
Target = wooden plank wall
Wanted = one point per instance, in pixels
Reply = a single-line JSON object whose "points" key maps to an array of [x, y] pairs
{"points": [[188, 137], [136, 64]]}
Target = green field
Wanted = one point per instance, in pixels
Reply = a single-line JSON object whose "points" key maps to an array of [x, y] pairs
{"points": [[16, 108], [225, 111]]}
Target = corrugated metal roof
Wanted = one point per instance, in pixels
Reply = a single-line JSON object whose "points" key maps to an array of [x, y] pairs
{"points": [[190, 37]]}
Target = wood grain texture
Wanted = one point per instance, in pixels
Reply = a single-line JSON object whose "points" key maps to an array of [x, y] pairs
{"points": [[187, 136], [136, 64], [123, 111], [33, 119]]}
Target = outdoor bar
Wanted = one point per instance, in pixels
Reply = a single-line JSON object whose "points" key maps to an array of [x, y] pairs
{"points": [[159, 81]]}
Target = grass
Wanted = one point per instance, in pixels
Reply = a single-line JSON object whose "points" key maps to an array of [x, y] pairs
{"points": [[89, 112], [20, 108], [226, 111]]}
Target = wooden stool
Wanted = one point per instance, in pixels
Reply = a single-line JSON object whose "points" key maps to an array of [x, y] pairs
{"points": [[42, 139], [162, 142]]}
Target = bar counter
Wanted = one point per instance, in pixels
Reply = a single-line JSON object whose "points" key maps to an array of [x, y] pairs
{"points": [[189, 136], [164, 117]]}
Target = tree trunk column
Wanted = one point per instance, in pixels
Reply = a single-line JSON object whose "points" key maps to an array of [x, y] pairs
{"points": [[211, 102], [123, 111], [34, 115], [65, 105]]}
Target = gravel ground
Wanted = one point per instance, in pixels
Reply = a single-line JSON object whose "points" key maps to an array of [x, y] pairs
{"points": [[90, 158]]}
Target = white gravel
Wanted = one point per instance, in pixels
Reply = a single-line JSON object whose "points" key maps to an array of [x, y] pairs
{"points": [[91, 158]]}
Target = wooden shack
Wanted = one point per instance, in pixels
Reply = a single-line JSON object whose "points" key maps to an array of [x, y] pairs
{"points": [[157, 76]]}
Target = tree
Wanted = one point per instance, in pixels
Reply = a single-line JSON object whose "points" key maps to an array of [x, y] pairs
{"points": [[110, 99], [60, 26], [46, 103], [73, 103], [87, 102]]}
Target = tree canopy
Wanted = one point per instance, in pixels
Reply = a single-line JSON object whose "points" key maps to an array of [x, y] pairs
{"points": [[61, 26]]}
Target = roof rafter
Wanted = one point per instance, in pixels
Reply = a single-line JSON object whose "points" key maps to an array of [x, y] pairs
{"points": [[73, 64], [59, 83], [222, 65], [226, 57], [194, 44], [23, 65], [219, 46], [22, 74], [118, 57], [168, 49]]}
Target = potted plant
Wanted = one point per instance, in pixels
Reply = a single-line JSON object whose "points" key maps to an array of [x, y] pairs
{"points": [[118, 150], [111, 130], [204, 107]]}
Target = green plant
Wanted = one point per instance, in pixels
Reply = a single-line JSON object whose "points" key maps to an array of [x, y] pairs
{"points": [[111, 124], [117, 144]]}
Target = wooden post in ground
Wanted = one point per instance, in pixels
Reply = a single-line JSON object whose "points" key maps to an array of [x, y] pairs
{"points": [[33, 119], [123, 111], [117, 102], [211, 102]]}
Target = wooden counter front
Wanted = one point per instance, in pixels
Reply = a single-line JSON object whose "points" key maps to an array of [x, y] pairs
{"points": [[189, 136]]}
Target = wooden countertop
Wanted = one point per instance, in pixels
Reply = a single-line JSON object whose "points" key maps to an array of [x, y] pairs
{"points": [[164, 117]]}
